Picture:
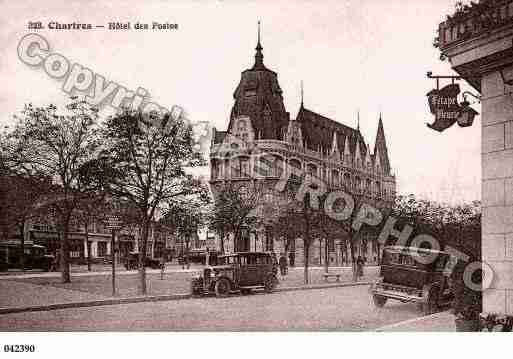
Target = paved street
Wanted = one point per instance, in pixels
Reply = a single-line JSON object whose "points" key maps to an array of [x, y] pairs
{"points": [[175, 281], [348, 308]]}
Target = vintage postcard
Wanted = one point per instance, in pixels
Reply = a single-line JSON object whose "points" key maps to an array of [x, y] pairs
{"points": [[243, 166]]}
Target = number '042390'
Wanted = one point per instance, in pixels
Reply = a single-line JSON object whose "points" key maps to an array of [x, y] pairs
{"points": [[19, 348]]}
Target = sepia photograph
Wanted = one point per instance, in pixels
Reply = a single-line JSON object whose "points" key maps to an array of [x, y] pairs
{"points": [[255, 166]]}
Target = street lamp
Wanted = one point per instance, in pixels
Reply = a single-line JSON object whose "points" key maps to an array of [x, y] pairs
{"points": [[467, 114]]}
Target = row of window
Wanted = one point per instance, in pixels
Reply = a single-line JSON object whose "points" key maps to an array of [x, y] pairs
{"points": [[273, 166]]}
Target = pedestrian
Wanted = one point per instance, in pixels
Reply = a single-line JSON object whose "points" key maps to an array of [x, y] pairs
{"points": [[56, 260], [291, 259], [162, 266], [359, 266], [283, 265]]}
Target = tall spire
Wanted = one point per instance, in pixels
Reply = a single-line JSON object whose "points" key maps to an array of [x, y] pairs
{"points": [[301, 93], [358, 121], [380, 147], [259, 57]]}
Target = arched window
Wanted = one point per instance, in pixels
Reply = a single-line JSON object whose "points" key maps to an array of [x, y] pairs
{"points": [[347, 180], [276, 166], [269, 166], [295, 169], [311, 170], [240, 167], [241, 125], [336, 178], [215, 169], [358, 184]]}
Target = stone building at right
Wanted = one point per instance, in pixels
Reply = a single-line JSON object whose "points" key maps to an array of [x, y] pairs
{"points": [[478, 42]]}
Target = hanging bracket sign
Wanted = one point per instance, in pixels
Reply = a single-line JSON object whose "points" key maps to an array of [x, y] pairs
{"points": [[444, 105]]}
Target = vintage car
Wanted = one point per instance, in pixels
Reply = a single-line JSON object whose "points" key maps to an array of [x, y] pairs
{"points": [[417, 275], [243, 271], [35, 256], [132, 261]]}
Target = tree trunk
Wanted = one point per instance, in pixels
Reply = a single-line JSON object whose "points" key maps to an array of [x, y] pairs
{"points": [[306, 250], [22, 245], [326, 256], [64, 256], [142, 256], [320, 252], [353, 261], [222, 244]]}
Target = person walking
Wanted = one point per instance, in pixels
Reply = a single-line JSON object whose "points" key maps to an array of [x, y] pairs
{"points": [[359, 266], [283, 265]]}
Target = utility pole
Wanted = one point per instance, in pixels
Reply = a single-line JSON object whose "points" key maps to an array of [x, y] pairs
{"points": [[113, 223], [113, 253]]}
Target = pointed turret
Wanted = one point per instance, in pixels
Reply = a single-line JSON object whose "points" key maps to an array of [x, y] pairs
{"points": [[358, 153], [259, 97], [259, 57], [380, 148], [368, 159], [334, 145], [347, 153]]}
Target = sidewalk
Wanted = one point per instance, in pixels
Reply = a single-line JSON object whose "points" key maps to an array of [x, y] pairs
{"points": [[120, 270], [438, 322], [38, 291], [21, 294]]}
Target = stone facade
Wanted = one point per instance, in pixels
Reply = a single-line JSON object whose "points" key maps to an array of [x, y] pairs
{"points": [[262, 142], [478, 41]]}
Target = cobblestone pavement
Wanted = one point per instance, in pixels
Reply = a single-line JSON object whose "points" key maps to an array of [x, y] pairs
{"points": [[174, 282], [345, 309]]}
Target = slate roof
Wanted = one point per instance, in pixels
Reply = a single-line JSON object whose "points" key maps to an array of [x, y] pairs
{"points": [[318, 131]]}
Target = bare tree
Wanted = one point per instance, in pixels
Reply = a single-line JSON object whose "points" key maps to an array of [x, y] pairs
{"points": [[146, 157], [55, 145], [235, 209]]}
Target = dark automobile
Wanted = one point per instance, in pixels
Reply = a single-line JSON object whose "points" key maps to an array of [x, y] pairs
{"points": [[417, 275], [35, 256], [132, 261], [243, 271]]}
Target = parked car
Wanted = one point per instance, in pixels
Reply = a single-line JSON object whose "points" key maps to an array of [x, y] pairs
{"points": [[132, 261], [35, 256], [417, 275], [243, 271]]}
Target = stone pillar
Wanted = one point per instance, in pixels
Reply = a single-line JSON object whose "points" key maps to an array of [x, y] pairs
{"points": [[85, 248], [497, 191]]}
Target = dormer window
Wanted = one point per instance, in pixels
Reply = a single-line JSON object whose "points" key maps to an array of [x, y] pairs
{"points": [[241, 125]]}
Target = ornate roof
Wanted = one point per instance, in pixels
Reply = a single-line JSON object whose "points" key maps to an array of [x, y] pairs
{"points": [[259, 96], [318, 133]]}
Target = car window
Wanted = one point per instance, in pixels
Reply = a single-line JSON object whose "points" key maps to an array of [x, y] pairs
{"points": [[262, 260], [392, 258], [408, 260], [440, 263]]}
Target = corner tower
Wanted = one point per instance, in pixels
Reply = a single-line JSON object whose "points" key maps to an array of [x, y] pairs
{"points": [[259, 98]]}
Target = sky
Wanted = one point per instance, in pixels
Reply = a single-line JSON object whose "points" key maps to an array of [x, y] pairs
{"points": [[369, 56]]}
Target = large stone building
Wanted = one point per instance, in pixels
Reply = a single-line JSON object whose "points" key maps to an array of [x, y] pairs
{"points": [[261, 130], [478, 41]]}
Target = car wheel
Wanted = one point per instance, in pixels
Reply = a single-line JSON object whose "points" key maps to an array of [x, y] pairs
{"points": [[270, 283], [222, 287], [379, 301], [430, 306]]}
